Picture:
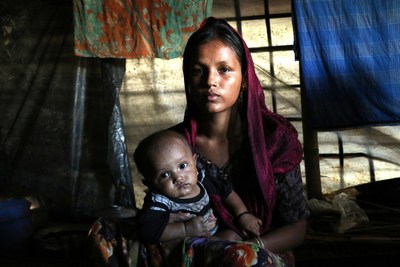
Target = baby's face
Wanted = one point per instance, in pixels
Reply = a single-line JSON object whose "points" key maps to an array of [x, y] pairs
{"points": [[175, 173]]}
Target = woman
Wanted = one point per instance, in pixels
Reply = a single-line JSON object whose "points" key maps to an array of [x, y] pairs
{"points": [[237, 138]]}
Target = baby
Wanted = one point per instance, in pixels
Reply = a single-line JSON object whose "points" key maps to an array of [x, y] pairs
{"points": [[177, 204]]}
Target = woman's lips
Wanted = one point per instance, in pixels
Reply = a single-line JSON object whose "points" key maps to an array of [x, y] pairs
{"points": [[212, 97]]}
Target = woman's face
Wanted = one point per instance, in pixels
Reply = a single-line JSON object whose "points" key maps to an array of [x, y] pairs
{"points": [[215, 77]]}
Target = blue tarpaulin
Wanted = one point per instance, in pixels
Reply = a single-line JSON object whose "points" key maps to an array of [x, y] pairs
{"points": [[349, 53]]}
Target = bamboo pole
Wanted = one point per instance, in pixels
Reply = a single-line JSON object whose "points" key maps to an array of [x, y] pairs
{"points": [[311, 151]]}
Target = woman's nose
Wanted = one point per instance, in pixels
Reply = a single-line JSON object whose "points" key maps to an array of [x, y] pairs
{"points": [[212, 78]]}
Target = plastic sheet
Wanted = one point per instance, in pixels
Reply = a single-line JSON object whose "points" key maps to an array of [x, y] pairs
{"points": [[61, 130], [351, 215]]}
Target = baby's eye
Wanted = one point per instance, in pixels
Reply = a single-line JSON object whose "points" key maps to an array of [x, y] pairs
{"points": [[165, 175], [183, 165]]}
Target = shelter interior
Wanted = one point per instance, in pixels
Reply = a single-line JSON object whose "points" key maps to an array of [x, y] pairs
{"points": [[360, 162]]}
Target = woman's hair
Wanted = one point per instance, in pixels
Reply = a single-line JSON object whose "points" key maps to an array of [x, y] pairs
{"points": [[213, 29]]}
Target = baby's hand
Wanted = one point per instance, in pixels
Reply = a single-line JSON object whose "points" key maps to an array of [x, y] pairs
{"points": [[196, 227], [249, 224], [211, 222]]}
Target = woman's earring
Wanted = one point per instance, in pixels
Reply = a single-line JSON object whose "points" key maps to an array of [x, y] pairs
{"points": [[242, 99], [188, 89]]}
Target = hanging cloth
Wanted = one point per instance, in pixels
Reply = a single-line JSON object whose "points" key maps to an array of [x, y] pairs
{"points": [[136, 28], [349, 56]]}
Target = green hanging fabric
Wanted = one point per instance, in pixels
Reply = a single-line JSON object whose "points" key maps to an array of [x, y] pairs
{"points": [[136, 28]]}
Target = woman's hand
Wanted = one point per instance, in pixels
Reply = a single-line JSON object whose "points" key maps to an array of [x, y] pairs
{"points": [[194, 224], [196, 227], [180, 227], [180, 217]]}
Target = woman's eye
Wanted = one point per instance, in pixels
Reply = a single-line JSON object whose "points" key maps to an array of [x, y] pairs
{"points": [[224, 70], [183, 166], [197, 71]]}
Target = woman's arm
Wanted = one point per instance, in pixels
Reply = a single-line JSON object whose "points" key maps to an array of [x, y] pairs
{"points": [[292, 207], [285, 237]]}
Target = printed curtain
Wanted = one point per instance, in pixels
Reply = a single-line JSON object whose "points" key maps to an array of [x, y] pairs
{"points": [[136, 28]]}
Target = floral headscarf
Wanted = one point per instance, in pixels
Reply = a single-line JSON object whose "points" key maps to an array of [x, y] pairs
{"points": [[274, 141]]}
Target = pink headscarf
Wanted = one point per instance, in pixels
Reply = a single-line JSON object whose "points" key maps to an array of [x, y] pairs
{"points": [[275, 151]]}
